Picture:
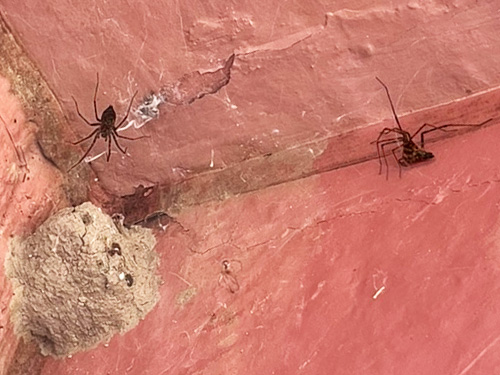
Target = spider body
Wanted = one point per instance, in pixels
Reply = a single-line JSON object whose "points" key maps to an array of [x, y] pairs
{"points": [[108, 119], [105, 127], [411, 153]]}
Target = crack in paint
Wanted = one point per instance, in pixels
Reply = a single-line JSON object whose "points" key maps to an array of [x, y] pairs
{"points": [[283, 43]]}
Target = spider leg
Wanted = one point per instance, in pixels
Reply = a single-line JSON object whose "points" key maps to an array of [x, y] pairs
{"points": [[117, 144], [95, 98], [379, 160], [385, 131], [397, 160], [390, 102], [128, 111], [380, 147], [382, 142], [87, 137], [385, 158], [109, 149], [131, 139], [442, 128], [86, 152], [83, 118]]}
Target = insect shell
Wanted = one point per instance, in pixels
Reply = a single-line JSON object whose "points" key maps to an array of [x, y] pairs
{"points": [[129, 279], [227, 278], [115, 249]]}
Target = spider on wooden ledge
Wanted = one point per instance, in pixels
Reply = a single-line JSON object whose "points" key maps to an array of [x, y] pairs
{"points": [[105, 127], [412, 153]]}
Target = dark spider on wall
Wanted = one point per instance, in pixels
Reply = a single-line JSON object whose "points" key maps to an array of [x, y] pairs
{"points": [[105, 126], [411, 153]]}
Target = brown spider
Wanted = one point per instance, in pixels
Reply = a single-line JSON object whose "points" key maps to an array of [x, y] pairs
{"points": [[412, 153], [106, 126]]}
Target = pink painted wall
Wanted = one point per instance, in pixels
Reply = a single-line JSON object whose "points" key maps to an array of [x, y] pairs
{"points": [[342, 272]]}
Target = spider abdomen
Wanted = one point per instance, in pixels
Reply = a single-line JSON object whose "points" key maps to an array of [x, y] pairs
{"points": [[108, 117], [413, 154]]}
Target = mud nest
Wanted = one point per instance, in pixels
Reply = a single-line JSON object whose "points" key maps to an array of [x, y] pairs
{"points": [[79, 279]]}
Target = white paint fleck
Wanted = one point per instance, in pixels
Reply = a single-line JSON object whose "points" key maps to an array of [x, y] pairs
{"points": [[340, 117], [318, 290], [89, 159], [377, 293], [380, 277]]}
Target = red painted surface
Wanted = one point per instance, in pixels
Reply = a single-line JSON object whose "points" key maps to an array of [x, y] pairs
{"points": [[314, 254], [338, 273], [29, 190]]}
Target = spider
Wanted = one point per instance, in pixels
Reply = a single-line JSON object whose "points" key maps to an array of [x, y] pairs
{"points": [[105, 126], [412, 153]]}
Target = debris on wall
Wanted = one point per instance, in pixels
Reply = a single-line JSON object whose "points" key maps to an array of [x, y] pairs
{"points": [[81, 278]]}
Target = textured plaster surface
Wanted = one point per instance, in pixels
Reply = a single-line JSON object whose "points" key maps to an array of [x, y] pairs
{"points": [[341, 272], [79, 279], [29, 191]]}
